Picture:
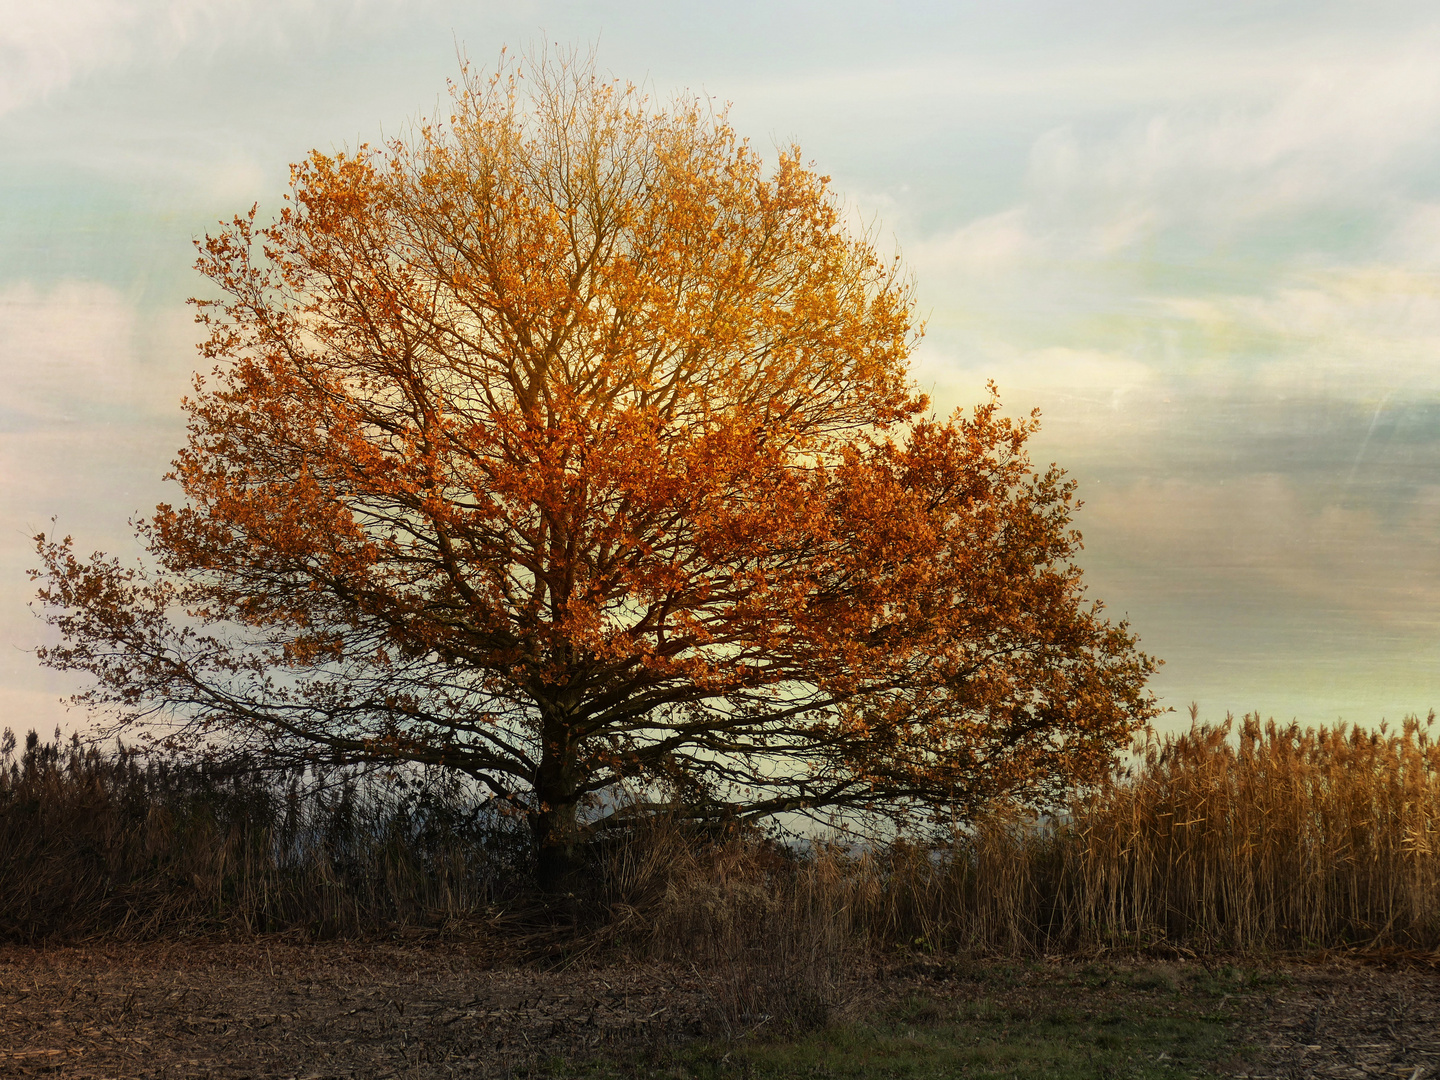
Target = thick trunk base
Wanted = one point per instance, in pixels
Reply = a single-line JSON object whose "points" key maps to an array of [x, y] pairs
{"points": [[558, 869], [558, 862]]}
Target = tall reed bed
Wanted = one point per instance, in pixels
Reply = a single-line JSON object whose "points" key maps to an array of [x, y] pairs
{"points": [[1237, 837], [131, 845]]}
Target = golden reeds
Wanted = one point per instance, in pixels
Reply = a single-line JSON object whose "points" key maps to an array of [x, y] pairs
{"points": [[1230, 837], [1266, 837], [1236, 837]]}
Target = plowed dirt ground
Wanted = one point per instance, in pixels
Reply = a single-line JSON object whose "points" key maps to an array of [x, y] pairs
{"points": [[288, 1009]]}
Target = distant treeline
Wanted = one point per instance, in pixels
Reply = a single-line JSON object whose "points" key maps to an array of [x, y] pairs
{"points": [[1237, 838]]}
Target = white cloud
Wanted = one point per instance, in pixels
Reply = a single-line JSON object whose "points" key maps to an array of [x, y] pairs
{"points": [[997, 242], [1115, 378], [1168, 69], [1107, 380], [1331, 135], [67, 352], [88, 422], [45, 46], [1348, 333], [1349, 310], [1414, 242], [81, 353], [91, 480], [1241, 151]]}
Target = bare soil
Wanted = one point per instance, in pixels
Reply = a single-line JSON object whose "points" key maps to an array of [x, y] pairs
{"points": [[288, 1009], [1379, 1018], [329, 1010]]}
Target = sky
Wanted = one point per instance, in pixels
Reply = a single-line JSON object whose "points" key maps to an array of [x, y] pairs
{"points": [[1202, 238]]}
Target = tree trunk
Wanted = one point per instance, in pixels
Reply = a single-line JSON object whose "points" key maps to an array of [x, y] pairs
{"points": [[557, 854], [556, 830]]}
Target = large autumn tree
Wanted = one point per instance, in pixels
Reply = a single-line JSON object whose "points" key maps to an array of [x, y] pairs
{"points": [[568, 445]]}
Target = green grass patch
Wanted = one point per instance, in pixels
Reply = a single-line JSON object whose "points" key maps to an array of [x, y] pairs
{"points": [[1096, 1021]]}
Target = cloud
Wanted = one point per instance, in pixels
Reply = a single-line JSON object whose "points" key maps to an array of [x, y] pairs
{"points": [[1352, 332], [91, 480], [1267, 534], [1130, 65], [88, 422], [1414, 241], [1084, 379], [44, 47], [996, 242], [1269, 242], [66, 353], [1332, 134], [81, 352], [1244, 153], [91, 412]]}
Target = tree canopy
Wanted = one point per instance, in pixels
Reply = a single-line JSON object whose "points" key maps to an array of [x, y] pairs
{"points": [[567, 444]]}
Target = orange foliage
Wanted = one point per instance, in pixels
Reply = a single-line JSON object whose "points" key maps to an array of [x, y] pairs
{"points": [[567, 445]]}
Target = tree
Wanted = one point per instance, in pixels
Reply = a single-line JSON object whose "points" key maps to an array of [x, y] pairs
{"points": [[566, 445]]}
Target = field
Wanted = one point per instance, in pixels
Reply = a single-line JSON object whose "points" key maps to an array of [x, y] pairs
{"points": [[274, 1008], [1238, 901]]}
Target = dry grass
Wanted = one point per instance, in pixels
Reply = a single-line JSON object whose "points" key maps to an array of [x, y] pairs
{"points": [[125, 846], [1237, 838], [772, 929], [1279, 838]]}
